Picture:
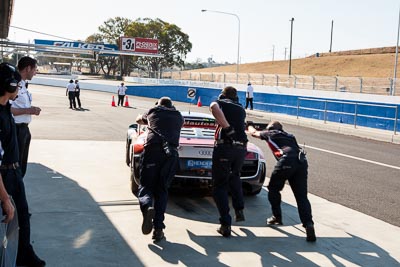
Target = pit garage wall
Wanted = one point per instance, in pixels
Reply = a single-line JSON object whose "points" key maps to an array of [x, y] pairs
{"points": [[270, 99]]}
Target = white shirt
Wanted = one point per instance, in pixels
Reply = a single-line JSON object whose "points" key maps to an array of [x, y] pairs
{"points": [[24, 100], [121, 90], [71, 87], [249, 91]]}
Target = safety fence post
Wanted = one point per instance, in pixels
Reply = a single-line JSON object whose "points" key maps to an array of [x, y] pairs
{"points": [[355, 116]]}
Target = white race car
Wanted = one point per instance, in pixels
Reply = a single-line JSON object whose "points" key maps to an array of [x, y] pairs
{"points": [[195, 149]]}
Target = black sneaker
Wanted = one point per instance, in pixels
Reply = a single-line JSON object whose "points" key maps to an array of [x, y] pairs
{"points": [[274, 220], [310, 231], [239, 216], [224, 230], [34, 261], [148, 216], [158, 235]]}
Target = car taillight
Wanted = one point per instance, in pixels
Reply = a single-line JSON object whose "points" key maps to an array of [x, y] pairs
{"points": [[251, 156], [138, 148]]}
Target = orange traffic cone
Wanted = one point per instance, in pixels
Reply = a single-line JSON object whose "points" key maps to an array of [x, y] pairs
{"points": [[113, 102], [199, 102], [126, 102]]}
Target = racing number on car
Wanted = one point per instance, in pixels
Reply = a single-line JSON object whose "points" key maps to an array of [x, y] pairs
{"points": [[191, 93]]}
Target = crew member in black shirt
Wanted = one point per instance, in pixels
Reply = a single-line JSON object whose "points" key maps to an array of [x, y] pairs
{"points": [[292, 166], [158, 163], [10, 169], [228, 157]]}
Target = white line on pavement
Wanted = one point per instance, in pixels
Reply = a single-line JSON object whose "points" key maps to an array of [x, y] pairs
{"points": [[352, 157]]}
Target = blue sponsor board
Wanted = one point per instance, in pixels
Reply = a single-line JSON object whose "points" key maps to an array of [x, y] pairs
{"points": [[80, 45], [198, 164]]}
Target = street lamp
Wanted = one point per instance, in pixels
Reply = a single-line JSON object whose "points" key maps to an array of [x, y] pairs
{"points": [[330, 47], [290, 50], [238, 46], [395, 63]]}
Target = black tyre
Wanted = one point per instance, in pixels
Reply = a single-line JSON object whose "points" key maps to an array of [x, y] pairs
{"points": [[135, 182], [255, 192], [128, 152]]}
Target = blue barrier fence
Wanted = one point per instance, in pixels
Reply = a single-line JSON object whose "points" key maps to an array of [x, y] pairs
{"points": [[367, 114]]}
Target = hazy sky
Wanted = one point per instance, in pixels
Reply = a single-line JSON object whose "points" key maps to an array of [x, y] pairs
{"points": [[264, 24]]}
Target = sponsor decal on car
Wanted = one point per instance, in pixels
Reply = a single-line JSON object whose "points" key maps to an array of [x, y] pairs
{"points": [[198, 164]]}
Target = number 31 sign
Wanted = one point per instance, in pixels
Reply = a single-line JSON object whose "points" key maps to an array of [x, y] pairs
{"points": [[137, 44]]}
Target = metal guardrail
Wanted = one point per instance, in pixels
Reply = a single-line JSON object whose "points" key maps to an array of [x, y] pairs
{"points": [[355, 114], [368, 85], [325, 110]]}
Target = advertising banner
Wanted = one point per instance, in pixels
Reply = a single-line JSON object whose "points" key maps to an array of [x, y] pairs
{"points": [[80, 45]]}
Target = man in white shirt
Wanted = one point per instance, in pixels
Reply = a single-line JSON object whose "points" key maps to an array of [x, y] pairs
{"points": [[121, 94], [249, 96], [22, 110], [70, 92]]}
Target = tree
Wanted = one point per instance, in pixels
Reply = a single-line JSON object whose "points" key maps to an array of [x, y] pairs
{"points": [[111, 30], [172, 43], [106, 64]]}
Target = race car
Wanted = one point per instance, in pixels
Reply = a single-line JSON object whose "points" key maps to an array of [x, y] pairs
{"points": [[195, 149]]}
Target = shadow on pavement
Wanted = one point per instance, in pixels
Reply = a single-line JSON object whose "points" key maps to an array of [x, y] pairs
{"points": [[279, 248], [68, 226]]}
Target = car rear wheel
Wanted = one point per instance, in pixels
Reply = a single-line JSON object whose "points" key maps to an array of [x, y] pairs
{"points": [[134, 178], [127, 151], [255, 192]]}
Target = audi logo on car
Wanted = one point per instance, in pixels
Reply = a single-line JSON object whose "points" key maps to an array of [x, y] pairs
{"points": [[205, 152]]}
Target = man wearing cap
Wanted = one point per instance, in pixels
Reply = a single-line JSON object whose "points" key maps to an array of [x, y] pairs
{"points": [[23, 110], [292, 166], [10, 170], [249, 96], [228, 157], [158, 163]]}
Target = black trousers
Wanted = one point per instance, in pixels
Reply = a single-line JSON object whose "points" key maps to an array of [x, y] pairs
{"points": [[24, 141], [121, 99], [227, 161], [15, 187], [156, 173], [296, 173], [71, 96], [78, 99], [249, 101]]}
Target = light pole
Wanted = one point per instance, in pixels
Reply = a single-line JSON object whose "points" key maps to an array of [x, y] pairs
{"points": [[330, 47], [273, 52], [290, 50], [238, 46], [395, 63]]}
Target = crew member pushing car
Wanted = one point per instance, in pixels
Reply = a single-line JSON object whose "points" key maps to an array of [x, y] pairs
{"points": [[292, 166], [228, 157], [158, 163]]}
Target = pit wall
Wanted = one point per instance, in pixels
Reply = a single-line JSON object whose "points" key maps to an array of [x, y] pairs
{"points": [[374, 111]]}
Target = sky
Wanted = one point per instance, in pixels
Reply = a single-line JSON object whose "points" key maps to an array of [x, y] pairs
{"points": [[265, 25]]}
